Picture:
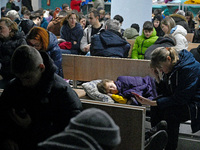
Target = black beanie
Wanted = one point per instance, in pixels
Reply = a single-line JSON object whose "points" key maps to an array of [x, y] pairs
{"points": [[99, 125]]}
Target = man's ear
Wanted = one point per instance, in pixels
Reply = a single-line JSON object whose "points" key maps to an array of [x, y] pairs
{"points": [[42, 67]]}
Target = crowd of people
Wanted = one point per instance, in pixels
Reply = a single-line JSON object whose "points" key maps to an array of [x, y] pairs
{"points": [[37, 103]]}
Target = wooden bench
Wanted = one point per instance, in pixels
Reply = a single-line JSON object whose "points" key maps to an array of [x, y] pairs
{"points": [[192, 45], [88, 68], [189, 37], [130, 119]]}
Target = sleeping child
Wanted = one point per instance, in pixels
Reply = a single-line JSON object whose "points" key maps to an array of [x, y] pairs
{"points": [[121, 89]]}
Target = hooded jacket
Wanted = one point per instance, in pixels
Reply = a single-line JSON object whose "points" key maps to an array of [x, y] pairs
{"points": [[179, 33], [182, 87], [54, 52], [109, 43], [161, 42], [72, 35], [7, 48], [50, 104], [142, 43], [181, 20]]}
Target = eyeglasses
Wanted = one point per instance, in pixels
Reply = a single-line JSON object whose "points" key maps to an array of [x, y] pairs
{"points": [[90, 18]]}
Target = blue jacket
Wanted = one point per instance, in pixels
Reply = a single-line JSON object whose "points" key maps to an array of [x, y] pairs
{"points": [[182, 87], [109, 44], [144, 86], [54, 52], [44, 23], [71, 35]]}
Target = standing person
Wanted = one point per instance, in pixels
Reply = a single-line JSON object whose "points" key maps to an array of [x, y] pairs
{"points": [[191, 23], [109, 42], [37, 103], [41, 39], [179, 88], [143, 41], [169, 26], [94, 27], [28, 4], [71, 31], [75, 4], [157, 25], [10, 39]]}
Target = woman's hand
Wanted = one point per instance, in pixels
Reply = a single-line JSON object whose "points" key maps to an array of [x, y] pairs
{"points": [[145, 101]]}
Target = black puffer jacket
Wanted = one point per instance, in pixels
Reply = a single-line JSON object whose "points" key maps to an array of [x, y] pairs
{"points": [[50, 105], [6, 50], [196, 53], [161, 42]]}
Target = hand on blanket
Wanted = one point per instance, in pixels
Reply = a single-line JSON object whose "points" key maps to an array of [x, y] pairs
{"points": [[145, 101]]}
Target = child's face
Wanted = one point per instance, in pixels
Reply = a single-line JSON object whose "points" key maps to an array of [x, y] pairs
{"points": [[156, 23], [111, 87], [148, 33], [165, 28]]}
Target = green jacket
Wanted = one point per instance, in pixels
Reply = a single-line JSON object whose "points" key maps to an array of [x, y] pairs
{"points": [[141, 44]]}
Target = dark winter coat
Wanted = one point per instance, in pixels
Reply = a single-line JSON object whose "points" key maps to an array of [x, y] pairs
{"points": [[72, 35], [181, 20], [196, 38], [50, 105], [26, 25], [191, 24], [28, 4], [182, 87], [7, 48], [44, 23], [54, 52], [109, 44], [142, 86], [196, 53], [161, 42]]}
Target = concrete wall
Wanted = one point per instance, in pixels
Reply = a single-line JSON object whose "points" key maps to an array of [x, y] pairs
{"points": [[133, 11]]}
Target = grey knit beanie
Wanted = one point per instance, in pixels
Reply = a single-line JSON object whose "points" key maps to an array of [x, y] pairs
{"points": [[99, 125], [70, 140]]}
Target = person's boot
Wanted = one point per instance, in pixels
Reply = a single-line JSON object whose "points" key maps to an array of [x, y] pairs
{"points": [[162, 125], [157, 141]]}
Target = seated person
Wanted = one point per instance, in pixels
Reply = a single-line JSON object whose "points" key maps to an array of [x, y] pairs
{"points": [[143, 41], [83, 132], [42, 39], [110, 43], [37, 103], [121, 90], [167, 41]]}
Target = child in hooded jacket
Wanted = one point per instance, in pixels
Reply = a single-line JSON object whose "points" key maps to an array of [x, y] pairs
{"points": [[142, 42]]}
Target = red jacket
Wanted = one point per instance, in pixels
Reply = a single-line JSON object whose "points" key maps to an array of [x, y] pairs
{"points": [[75, 5]]}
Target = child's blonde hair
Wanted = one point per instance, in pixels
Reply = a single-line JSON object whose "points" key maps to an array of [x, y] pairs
{"points": [[101, 86]]}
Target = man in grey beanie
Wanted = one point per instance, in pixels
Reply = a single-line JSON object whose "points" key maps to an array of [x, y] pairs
{"points": [[94, 129]]}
